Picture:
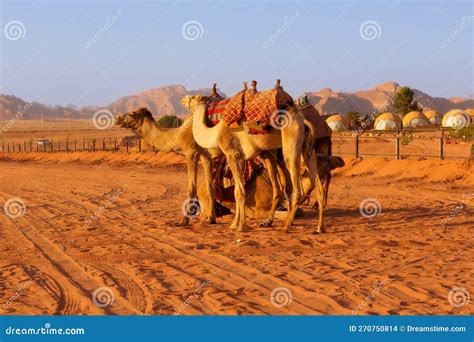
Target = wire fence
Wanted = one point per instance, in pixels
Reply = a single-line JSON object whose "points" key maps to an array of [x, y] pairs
{"points": [[128, 144], [403, 144], [392, 144]]}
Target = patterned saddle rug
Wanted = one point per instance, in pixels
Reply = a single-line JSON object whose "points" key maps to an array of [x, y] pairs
{"points": [[256, 108]]}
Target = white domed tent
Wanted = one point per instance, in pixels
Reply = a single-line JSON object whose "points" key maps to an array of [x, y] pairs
{"points": [[388, 121], [338, 122], [457, 119], [434, 117], [470, 111], [415, 119]]}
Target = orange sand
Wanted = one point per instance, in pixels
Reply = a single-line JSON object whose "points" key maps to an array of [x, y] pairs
{"points": [[55, 256]]}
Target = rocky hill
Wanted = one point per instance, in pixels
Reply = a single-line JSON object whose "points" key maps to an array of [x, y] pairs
{"points": [[166, 100]]}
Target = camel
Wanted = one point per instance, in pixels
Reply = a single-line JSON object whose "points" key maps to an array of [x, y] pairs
{"points": [[259, 188], [179, 140], [238, 146]]}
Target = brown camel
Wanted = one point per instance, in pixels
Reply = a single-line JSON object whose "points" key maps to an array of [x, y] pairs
{"points": [[259, 189], [238, 146], [179, 140]]}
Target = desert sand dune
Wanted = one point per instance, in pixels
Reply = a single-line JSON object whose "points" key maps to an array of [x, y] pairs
{"points": [[102, 220]]}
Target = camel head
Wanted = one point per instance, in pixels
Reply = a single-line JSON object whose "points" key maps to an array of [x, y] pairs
{"points": [[133, 120], [336, 162], [190, 101]]}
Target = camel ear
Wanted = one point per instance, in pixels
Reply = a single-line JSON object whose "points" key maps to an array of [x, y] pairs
{"points": [[202, 98]]}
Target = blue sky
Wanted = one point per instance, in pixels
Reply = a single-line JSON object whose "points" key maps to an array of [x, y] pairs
{"points": [[140, 45]]}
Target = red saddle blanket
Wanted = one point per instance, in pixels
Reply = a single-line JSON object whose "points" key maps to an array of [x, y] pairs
{"points": [[255, 107], [224, 183]]}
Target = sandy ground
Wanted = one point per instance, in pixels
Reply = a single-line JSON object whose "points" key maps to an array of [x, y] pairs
{"points": [[111, 227]]}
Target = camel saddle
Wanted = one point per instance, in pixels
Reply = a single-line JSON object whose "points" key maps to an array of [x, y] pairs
{"points": [[258, 109]]}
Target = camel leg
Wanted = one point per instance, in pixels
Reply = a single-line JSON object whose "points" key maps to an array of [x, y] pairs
{"points": [[270, 162], [320, 199], [312, 186], [234, 161], [292, 148], [207, 168], [312, 168], [326, 182], [192, 166]]}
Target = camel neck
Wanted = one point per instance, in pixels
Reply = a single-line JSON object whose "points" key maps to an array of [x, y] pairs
{"points": [[163, 140]]}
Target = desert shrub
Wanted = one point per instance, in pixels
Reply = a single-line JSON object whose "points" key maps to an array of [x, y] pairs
{"points": [[463, 133], [407, 136]]}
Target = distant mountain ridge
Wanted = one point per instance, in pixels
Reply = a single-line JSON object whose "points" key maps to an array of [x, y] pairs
{"points": [[166, 100], [327, 101]]}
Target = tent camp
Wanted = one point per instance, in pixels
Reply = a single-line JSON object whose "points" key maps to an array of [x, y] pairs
{"points": [[434, 117], [415, 119], [338, 122], [388, 121], [457, 119]]}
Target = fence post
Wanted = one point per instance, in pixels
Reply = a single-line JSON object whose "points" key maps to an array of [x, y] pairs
{"points": [[126, 144], [3, 146], [357, 145], [83, 144], [75, 145], [103, 144], [51, 146], [441, 145], [115, 144], [397, 147], [31, 146], [67, 145], [139, 145], [24, 145]]}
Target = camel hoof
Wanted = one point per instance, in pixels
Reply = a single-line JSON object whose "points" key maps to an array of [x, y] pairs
{"points": [[183, 223], [212, 220], [320, 230], [243, 229]]}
